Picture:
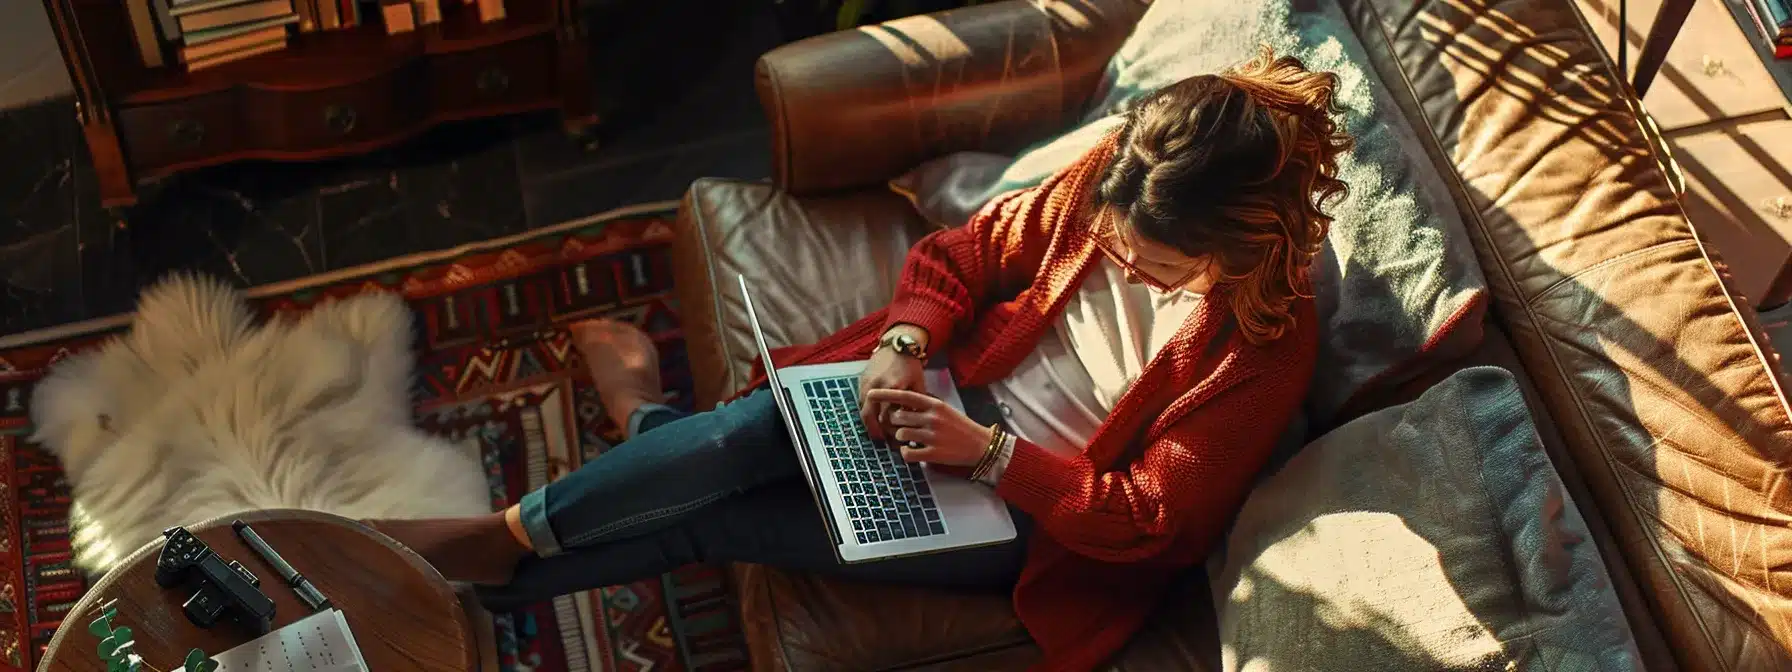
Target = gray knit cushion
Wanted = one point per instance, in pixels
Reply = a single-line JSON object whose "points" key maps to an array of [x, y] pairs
{"points": [[1429, 536]]}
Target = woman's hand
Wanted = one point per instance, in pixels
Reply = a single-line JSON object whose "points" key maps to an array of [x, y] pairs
{"points": [[945, 435], [887, 370]]}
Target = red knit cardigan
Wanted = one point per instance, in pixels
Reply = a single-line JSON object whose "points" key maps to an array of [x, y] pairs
{"points": [[1169, 467]]}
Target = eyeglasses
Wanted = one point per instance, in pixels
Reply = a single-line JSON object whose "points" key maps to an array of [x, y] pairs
{"points": [[1113, 242]]}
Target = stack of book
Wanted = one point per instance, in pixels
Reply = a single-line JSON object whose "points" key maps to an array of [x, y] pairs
{"points": [[204, 33], [328, 14], [403, 16], [1774, 18]]}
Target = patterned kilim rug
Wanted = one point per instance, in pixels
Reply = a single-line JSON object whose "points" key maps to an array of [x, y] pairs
{"points": [[495, 373]]}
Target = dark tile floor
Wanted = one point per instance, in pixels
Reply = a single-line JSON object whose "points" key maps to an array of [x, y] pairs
{"points": [[678, 101]]}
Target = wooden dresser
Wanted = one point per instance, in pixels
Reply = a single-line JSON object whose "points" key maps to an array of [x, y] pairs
{"points": [[328, 94]]}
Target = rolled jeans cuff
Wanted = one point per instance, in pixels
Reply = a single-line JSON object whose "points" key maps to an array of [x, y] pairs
{"points": [[535, 522], [534, 506]]}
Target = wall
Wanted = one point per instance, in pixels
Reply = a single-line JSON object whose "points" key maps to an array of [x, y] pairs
{"points": [[30, 65]]}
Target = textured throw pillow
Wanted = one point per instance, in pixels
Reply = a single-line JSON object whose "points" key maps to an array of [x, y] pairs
{"points": [[1398, 283], [948, 190], [1429, 536]]}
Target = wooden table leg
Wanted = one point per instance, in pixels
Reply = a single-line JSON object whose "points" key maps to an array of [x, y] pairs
{"points": [[1655, 45]]}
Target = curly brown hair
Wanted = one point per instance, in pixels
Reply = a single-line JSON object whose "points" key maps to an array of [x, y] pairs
{"points": [[1236, 166]]}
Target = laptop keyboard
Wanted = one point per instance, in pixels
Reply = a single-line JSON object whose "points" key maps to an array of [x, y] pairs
{"points": [[886, 498]]}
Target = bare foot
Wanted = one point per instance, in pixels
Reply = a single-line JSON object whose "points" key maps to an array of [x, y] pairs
{"points": [[624, 365]]}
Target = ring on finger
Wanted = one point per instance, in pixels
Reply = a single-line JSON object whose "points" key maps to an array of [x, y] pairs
{"points": [[907, 436]]}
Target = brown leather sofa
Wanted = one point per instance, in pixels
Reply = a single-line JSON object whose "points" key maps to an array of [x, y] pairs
{"points": [[1656, 392]]}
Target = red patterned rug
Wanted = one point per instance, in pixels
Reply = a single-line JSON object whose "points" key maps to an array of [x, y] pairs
{"points": [[495, 372]]}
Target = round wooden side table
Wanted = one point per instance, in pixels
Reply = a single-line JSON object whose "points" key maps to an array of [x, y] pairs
{"points": [[403, 614]]}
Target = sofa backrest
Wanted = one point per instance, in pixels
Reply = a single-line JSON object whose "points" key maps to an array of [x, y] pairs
{"points": [[1668, 399], [837, 124]]}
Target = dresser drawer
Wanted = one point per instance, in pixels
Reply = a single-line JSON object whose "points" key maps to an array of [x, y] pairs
{"points": [[169, 134], [375, 109], [513, 74], [351, 103]]}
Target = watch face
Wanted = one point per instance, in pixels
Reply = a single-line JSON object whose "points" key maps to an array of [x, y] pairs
{"points": [[905, 344]]}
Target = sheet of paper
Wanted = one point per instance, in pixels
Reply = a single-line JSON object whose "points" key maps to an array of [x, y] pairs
{"points": [[320, 642]]}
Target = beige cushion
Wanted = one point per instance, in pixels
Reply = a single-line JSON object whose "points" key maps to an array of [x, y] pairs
{"points": [[1433, 535]]}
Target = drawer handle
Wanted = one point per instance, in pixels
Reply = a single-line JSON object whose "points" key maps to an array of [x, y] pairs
{"points": [[187, 133], [340, 118], [493, 81]]}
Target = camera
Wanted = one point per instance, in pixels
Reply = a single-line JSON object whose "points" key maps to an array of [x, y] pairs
{"points": [[221, 590]]}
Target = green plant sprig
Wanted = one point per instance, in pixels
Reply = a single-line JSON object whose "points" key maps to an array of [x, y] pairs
{"points": [[118, 646]]}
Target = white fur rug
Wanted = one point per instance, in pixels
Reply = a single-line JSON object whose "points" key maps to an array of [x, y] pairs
{"points": [[200, 412]]}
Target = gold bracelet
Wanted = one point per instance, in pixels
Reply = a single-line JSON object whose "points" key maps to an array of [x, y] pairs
{"points": [[995, 450], [977, 469], [989, 451], [996, 436]]}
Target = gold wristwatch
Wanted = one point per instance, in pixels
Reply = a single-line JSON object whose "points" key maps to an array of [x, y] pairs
{"points": [[904, 344]]}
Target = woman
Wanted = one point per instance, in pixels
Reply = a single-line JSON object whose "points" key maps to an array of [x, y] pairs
{"points": [[1142, 320]]}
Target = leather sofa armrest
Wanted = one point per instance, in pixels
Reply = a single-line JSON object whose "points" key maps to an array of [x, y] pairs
{"points": [[789, 248], [856, 108]]}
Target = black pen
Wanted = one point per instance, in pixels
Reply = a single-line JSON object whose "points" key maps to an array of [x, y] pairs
{"points": [[307, 593]]}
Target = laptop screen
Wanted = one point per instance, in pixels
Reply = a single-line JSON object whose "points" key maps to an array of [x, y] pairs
{"points": [[786, 408], [765, 356]]}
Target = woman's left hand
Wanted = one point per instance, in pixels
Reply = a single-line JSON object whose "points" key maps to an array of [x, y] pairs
{"points": [[945, 435]]}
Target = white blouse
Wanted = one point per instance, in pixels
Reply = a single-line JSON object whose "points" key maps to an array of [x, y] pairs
{"points": [[1064, 390]]}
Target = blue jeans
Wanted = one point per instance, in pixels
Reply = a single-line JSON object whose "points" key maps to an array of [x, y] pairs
{"points": [[719, 486]]}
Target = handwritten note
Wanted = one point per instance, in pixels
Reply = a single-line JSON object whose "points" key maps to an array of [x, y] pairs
{"points": [[320, 642]]}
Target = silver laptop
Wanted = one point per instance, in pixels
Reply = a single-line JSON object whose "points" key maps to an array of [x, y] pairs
{"points": [[876, 506]]}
